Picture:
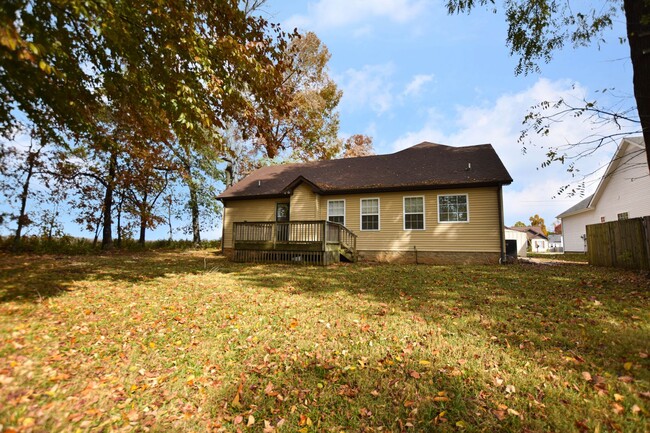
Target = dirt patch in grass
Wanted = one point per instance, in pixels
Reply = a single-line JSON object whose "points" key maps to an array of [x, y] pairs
{"points": [[187, 341]]}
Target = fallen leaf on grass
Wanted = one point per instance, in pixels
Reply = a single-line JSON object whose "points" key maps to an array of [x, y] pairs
{"points": [[268, 428], [238, 419], [582, 426], [235, 401], [510, 389], [461, 424], [586, 376], [618, 397], [617, 408], [305, 421], [414, 374], [626, 379], [28, 422], [133, 415], [251, 420], [500, 414], [627, 366]]}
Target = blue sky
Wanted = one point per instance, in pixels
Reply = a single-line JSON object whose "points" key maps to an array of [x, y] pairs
{"points": [[410, 72]]}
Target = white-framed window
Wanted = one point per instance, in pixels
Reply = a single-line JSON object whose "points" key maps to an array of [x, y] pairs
{"points": [[602, 219], [369, 214], [622, 216], [336, 211], [453, 208], [414, 213]]}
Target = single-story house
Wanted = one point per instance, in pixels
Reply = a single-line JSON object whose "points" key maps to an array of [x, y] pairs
{"points": [[428, 203], [537, 240], [623, 192], [555, 242]]}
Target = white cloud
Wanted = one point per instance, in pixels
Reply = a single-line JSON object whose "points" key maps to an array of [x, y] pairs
{"points": [[416, 84], [328, 14], [369, 86], [499, 122]]}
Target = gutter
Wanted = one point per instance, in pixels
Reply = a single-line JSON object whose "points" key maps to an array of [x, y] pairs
{"points": [[502, 235]]}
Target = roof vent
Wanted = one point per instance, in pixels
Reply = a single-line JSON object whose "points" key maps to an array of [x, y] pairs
{"points": [[259, 183], [469, 166]]}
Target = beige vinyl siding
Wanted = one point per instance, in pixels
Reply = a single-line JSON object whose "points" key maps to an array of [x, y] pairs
{"points": [[247, 210], [305, 204], [480, 234]]}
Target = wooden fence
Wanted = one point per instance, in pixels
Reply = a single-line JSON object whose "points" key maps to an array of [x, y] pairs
{"points": [[620, 244]]}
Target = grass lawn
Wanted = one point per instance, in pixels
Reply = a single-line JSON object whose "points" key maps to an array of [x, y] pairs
{"points": [[564, 257], [186, 341]]}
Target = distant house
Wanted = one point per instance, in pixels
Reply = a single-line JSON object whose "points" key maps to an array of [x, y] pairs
{"points": [[537, 240], [428, 203], [555, 242], [623, 192]]}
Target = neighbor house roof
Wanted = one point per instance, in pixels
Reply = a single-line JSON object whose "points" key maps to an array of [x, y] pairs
{"points": [[423, 166], [582, 205], [533, 232]]}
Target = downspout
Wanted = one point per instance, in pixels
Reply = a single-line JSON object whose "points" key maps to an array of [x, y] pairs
{"points": [[502, 241], [223, 226]]}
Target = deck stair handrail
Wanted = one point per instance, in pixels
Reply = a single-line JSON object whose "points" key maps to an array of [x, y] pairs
{"points": [[340, 234]]}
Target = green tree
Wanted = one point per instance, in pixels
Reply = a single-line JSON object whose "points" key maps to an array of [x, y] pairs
{"points": [[174, 69], [538, 28], [520, 224]]}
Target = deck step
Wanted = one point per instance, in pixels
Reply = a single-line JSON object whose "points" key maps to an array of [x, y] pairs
{"points": [[349, 255]]}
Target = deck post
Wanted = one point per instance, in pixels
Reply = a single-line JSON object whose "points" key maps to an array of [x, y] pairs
{"points": [[324, 234], [274, 233]]}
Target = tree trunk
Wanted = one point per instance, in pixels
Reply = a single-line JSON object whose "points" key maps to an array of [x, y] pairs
{"points": [[23, 220], [143, 219], [194, 208], [637, 15], [169, 219], [99, 224], [107, 235], [22, 217], [119, 223]]}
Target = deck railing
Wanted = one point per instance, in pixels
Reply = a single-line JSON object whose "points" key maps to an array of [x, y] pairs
{"points": [[273, 234]]}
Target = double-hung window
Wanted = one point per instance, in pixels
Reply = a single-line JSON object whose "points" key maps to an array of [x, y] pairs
{"points": [[369, 214], [336, 211], [453, 208], [413, 213]]}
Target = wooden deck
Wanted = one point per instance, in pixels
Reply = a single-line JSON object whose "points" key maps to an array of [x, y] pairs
{"points": [[311, 242]]}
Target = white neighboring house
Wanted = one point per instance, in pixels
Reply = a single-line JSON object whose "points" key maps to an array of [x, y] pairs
{"points": [[520, 238], [623, 192], [535, 238]]}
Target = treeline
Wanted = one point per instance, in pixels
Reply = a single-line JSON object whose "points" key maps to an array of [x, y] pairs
{"points": [[125, 116]]}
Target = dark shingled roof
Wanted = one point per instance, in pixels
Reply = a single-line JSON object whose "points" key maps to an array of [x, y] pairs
{"points": [[423, 166]]}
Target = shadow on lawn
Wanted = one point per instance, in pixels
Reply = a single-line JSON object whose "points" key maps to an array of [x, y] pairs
{"points": [[32, 278], [592, 315]]}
